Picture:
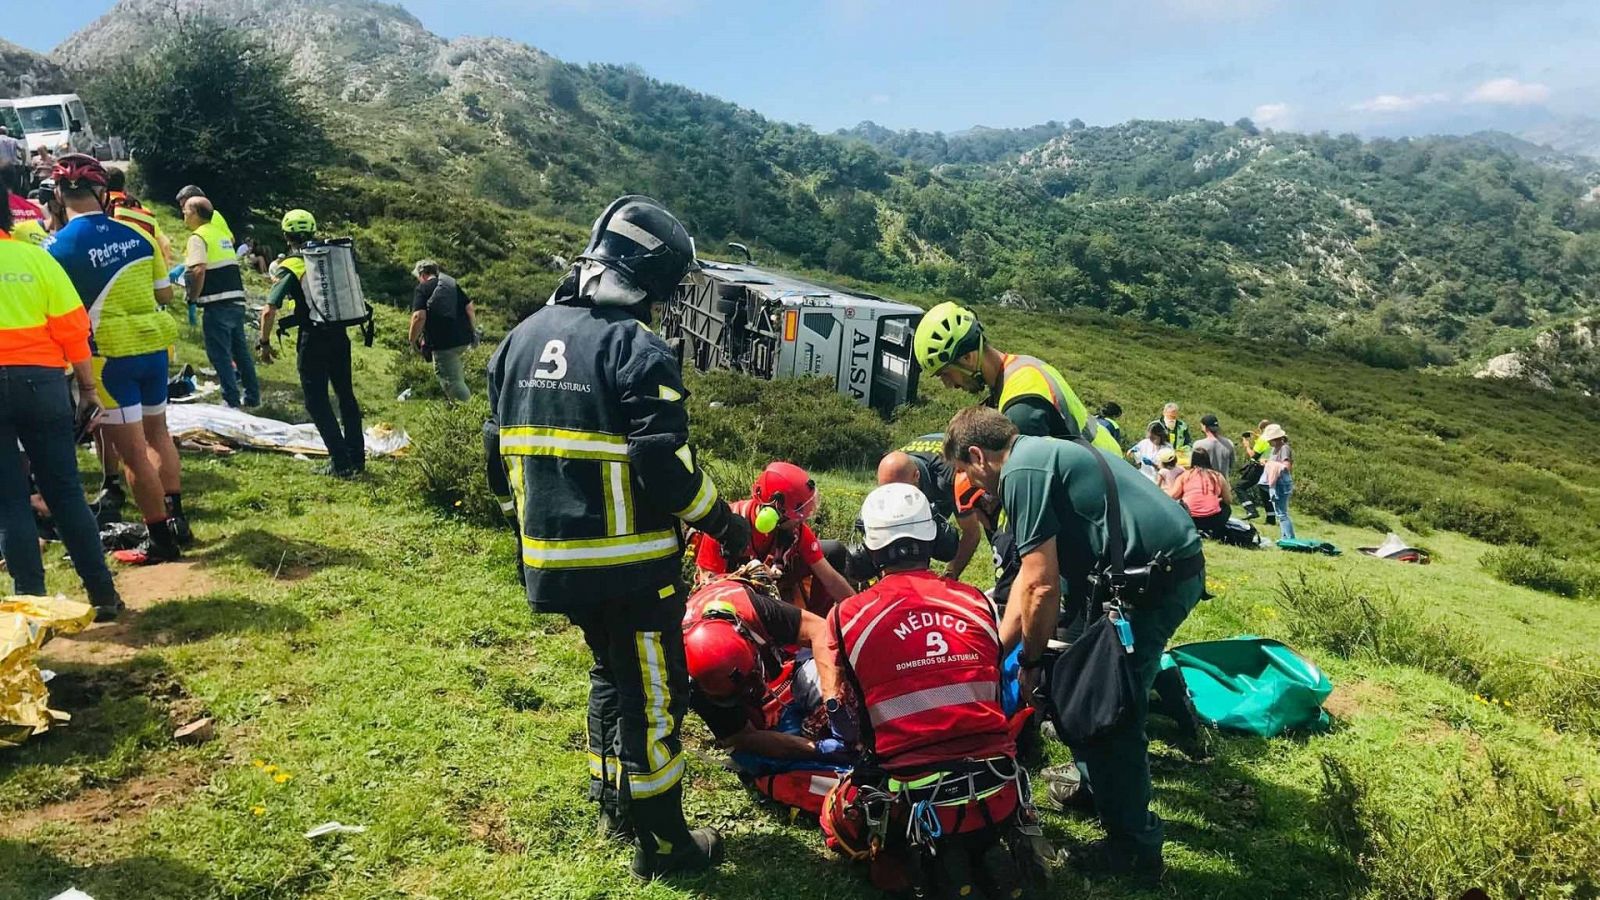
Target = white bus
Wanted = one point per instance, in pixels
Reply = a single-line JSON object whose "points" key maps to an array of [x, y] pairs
{"points": [[56, 121]]}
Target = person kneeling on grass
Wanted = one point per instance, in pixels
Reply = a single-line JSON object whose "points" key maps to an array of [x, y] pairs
{"points": [[761, 678]]}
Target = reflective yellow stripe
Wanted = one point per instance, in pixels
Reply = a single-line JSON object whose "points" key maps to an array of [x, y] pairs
{"points": [[534, 440], [660, 781], [614, 483], [518, 487], [594, 552], [597, 767], [667, 591], [653, 677], [700, 506]]}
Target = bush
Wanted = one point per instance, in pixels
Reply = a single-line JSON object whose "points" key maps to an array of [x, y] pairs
{"points": [[1536, 569], [1494, 522], [1501, 827], [1352, 622], [803, 420], [448, 469]]}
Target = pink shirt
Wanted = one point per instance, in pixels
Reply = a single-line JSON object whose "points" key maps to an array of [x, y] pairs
{"points": [[1201, 494]]}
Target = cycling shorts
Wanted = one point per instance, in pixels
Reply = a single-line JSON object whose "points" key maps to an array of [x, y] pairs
{"points": [[131, 388]]}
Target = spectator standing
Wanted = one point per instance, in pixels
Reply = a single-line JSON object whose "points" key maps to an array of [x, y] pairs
{"points": [[1278, 478], [443, 326], [44, 329], [1177, 429], [1108, 415], [1204, 492], [12, 160], [1219, 450], [215, 284]]}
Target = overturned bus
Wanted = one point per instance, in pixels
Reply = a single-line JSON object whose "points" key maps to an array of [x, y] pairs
{"points": [[771, 325]]}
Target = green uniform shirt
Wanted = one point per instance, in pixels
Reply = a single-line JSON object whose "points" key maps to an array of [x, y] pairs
{"points": [[1055, 489]]}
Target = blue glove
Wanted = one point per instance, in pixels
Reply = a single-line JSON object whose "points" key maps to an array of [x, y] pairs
{"points": [[833, 750]]}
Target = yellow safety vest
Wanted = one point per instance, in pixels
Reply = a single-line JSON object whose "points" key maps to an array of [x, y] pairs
{"points": [[1028, 376], [224, 281]]}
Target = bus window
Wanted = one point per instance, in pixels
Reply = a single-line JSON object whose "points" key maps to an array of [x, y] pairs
{"points": [[8, 118], [76, 114]]}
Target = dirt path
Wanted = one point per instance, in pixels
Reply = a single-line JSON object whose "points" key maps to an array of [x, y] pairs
{"points": [[141, 588], [119, 802]]}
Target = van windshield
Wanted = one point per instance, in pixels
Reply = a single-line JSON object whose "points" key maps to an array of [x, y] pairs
{"points": [[42, 118]]}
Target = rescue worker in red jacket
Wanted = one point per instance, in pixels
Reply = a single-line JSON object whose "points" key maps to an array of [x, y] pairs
{"points": [[782, 498], [922, 655]]}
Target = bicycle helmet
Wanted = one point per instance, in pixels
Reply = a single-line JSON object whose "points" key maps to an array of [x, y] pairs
{"points": [[946, 333], [298, 222], [78, 171]]}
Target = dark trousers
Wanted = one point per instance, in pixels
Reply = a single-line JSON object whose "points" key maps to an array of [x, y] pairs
{"points": [[36, 409], [1214, 525], [323, 360], [222, 324], [638, 693], [1118, 764]]}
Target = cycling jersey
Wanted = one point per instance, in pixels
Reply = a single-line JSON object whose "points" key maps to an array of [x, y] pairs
{"points": [[114, 267]]}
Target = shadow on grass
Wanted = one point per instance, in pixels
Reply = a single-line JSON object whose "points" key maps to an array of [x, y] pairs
{"points": [[282, 557], [118, 712], [183, 621], [31, 870]]}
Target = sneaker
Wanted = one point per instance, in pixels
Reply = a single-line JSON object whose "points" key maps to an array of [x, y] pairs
{"points": [[703, 852], [159, 547], [181, 529], [1065, 788], [1102, 859], [107, 607]]}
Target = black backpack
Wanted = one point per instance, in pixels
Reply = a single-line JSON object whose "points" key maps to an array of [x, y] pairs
{"points": [[1239, 533]]}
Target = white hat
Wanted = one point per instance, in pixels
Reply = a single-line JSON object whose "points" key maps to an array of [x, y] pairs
{"points": [[896, 511], [1166, 455], [1273, 432]]}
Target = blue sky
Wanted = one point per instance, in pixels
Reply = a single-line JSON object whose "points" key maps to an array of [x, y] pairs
{"points": [[1376, 67]]}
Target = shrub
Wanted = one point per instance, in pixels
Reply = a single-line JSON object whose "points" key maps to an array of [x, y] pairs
{"points": [[1494, 522], [747, 420], [1502, 827], [1541, 571], [447, 452], [1563, 691], [1350, 621]]}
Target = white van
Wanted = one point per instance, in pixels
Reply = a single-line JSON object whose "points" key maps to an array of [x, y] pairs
{"points": [[55, 121]]}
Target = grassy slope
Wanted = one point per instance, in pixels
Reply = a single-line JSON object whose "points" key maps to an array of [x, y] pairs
{"points": [[391, 669]]}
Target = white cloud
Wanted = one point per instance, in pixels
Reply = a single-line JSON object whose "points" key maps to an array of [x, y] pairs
{"points": [[1272, 115], [1399, 103], [1510, 92]]}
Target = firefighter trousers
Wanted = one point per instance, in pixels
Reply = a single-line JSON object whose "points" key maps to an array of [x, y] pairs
{"points": [[638, 693]]}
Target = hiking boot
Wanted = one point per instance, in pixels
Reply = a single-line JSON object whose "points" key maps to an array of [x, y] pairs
{"points": [[1196, 745], [1250, 512], [1102, 859], [1065, 788], [160, 546], [703, 852], [107, 606]]}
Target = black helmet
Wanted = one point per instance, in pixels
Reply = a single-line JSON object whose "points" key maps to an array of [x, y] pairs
{"points": [[643, 244]]}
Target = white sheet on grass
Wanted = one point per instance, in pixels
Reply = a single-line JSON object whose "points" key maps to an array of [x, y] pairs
{"points": [[213, 421]]}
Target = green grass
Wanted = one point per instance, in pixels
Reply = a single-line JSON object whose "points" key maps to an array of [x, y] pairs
{"points": [[392, 669]]}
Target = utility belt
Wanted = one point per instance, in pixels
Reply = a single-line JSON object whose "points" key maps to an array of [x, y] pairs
{"points": [[939, 802], [1142, 586]]}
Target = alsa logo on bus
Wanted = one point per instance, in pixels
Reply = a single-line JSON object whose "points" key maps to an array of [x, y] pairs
{"points": [[860, 363]]}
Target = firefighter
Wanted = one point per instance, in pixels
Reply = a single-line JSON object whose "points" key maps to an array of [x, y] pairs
{"points": [[921, 463], [782, 499], [922, 654], [589, 439], [1059, 501], [761, 678], [950, 343]]}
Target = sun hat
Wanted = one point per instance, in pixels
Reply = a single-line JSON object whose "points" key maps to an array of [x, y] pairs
{"points": [[1273, 432]]}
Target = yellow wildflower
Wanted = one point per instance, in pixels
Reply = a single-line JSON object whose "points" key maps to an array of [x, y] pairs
{"points": [[281, 777], [258, 810]]}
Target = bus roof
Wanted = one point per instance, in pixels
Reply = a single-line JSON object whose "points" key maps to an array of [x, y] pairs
{"points": [[40, 100], [780, 286]]}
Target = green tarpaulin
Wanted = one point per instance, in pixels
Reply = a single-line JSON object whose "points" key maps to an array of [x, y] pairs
{"points": [[1254, 685]]}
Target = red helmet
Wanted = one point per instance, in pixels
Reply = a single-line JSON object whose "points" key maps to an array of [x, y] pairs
{"points": [[721, 660], [787, 488], [78, 170]]}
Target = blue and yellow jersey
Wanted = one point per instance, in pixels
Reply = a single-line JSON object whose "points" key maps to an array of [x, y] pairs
{"points": [[116, 271]]}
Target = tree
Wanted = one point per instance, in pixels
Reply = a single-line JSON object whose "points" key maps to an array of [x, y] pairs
{"points": [[214, 107]]}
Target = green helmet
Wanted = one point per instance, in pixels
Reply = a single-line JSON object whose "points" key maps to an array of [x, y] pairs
{"points": [[946, 333], [298, 221]]}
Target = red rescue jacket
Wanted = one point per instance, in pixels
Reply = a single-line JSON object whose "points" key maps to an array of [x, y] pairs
{"points": [[924, 650]]}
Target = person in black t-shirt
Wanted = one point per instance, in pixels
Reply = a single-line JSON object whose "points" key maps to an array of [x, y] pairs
{"points": [[443, 326]]}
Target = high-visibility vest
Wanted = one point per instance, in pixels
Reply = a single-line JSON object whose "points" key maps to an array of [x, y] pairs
{"points": [[224, 282], [924, 653], [1028, 376]]}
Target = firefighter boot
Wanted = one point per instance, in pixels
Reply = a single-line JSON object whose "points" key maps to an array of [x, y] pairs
{"points": [[1106, 859], [666, 845]]}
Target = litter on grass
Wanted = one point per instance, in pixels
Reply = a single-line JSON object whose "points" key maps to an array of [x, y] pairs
{"points": [[215, 422], [25, 624], [1398, 550], [335, 828]]}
